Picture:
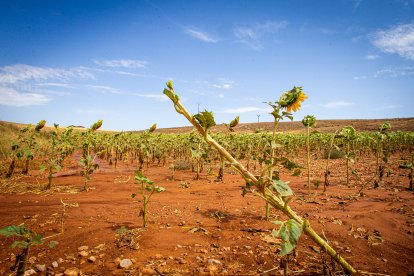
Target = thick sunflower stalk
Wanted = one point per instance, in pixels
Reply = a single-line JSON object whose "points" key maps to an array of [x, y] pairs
{"points": [[258, 186]]}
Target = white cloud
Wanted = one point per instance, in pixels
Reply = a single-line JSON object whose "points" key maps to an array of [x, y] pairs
{"points": [[359, 77], [104, 89], [220, 96], [245, 110], [200, 35], [125, 63], [371, 57], [55, 84], [337, 104], [12, 74], [223, 84], [11, 97], [395, 72], [396, 40], [252, 35]]}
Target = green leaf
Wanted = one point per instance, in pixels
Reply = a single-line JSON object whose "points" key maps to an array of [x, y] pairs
{"points": [[133, 195], [140, 177], [58, 168], [159, 189], [282, 188], [37, 239], [10, 231], [205, 119], [290, 233]]}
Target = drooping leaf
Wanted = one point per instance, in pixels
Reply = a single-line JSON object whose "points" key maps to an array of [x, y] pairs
{"points": [[290, 232], [282, 188], [152, 128], [40, 125], [234, 123], [96, 125]]}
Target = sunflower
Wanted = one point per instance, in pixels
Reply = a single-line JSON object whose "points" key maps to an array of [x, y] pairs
{"points": [[292, 99], [295, 106]]}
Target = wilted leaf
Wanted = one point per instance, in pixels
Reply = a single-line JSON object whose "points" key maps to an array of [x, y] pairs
{"points": [[282, 188], [290, 233]]}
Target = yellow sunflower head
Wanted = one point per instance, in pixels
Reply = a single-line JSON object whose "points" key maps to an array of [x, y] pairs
{"points": [[292, 99]]}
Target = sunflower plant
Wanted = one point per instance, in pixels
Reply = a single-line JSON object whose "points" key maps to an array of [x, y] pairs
{"points": [[289, 101], [278, 195], [308, 121], [25, 146], [147, 189], [87, 161], [23, 238]]}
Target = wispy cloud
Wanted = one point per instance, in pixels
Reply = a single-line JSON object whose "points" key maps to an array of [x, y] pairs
{"points": [[223, 84], [363, 77], [104, 89], [371, 57], [253, 35], [246, 109], [337, 104], [357, 3], [11, 97], [22, 72], [328, 31], [125, 63], [54, 84], [395, 72], [22, 84], [396, 40], [200, 35]]}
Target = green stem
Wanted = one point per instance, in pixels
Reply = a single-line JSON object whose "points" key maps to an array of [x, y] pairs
{"points": [[274, 200], [308, 156]]}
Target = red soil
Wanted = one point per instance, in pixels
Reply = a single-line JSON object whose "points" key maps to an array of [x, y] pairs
{"points": [[231, 227]]}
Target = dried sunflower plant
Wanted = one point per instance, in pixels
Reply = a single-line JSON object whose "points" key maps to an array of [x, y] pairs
{"points": [[275, 192]]}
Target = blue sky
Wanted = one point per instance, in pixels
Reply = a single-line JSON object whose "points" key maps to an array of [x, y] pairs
{"points": [[74, 62]]}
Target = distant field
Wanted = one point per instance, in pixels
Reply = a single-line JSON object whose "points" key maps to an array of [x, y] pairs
{"points": [[400, 124]]}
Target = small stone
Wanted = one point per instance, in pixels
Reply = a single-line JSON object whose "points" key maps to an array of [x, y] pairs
{"points": [[40, 267], [32, 259], [55, 264], [204, 251], [29, 272], [72, 271], [99, 247], [182, 261], [83, 253], [182, 223], [179, 246], [214, 261], [83, 248], [92, 259], [125, 263]]}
